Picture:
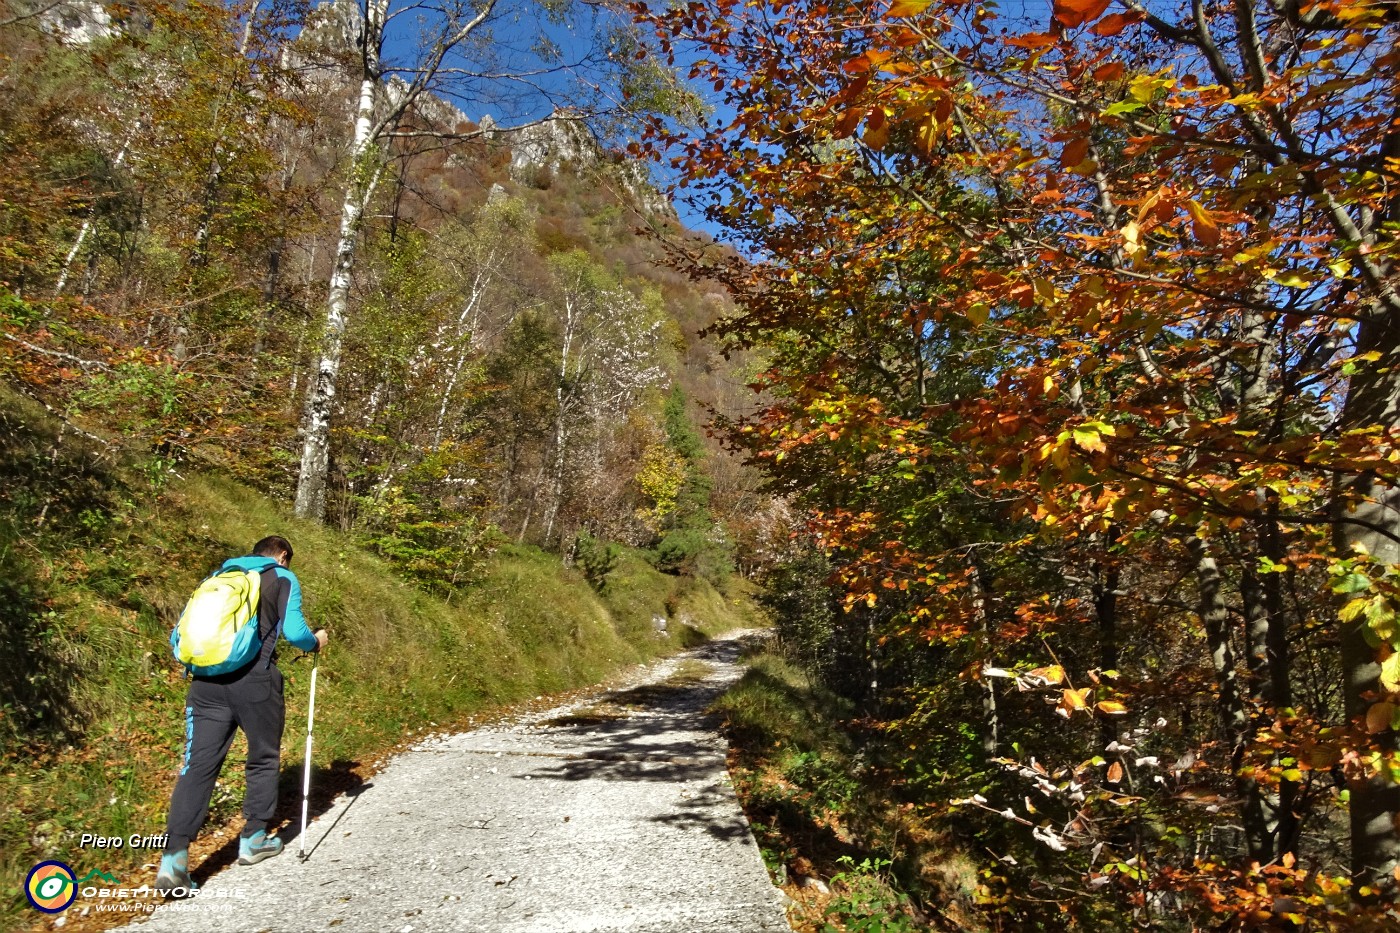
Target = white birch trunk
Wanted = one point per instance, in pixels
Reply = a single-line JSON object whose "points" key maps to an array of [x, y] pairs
{"points": [[573, 312], [364, 175], [86, 228]]}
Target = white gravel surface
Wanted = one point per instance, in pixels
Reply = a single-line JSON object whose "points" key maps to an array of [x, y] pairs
{"points": [[612, 813]]}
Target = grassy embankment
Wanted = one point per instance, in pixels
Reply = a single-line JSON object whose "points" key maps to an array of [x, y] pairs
{"points": [[827, 817], [95, 564]]}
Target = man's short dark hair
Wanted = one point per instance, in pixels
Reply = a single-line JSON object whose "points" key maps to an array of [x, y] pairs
{"points": [[273, 546]]}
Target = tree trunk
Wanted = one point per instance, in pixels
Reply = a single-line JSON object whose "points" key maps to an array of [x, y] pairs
{"points": [[1262, 810], [556, 490], [364, 175], [1105, 594], [1231, 711], [1367, 515], [1272, 686], [991, 735], [86, 228]]}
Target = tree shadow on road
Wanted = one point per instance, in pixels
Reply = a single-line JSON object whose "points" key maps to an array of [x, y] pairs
{"points": [[622, 736], [698, 812]]}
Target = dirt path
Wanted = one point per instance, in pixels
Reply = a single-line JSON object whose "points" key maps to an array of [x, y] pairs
{"points": [[612, 813]]}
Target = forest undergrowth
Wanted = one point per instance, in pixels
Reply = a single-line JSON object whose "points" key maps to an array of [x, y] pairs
{"points": [[835, 830]]}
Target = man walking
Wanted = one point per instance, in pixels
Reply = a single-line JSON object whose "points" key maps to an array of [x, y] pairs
{"points": [[250, 699]]}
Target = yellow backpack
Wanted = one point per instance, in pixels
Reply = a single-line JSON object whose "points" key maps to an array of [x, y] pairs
{"points": [[218, 629]]}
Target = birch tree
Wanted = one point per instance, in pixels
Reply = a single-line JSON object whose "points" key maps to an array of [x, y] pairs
{"points": [[379, 110], [608, 355]]}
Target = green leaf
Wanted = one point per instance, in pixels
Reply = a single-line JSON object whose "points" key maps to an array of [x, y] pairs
{"points": [[1122, 107], [1352, 583]]}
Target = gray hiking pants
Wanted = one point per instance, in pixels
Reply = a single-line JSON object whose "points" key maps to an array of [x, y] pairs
{"points": [[214, 708]]}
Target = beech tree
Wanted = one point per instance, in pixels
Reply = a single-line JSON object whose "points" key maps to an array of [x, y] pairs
{"points": [[1111, 297]]}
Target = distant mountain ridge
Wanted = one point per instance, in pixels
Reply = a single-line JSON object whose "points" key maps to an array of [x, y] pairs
{"points": [[562, 141]]}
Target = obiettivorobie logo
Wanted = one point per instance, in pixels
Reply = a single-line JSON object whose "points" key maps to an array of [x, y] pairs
{"points": [[52, 886]]}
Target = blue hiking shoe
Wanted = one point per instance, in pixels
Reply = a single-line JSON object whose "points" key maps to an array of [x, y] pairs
{"points": [[173, 877], [253, 849]]}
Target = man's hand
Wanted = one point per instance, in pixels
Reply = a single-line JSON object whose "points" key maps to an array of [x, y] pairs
{"points": [[321, 638]]}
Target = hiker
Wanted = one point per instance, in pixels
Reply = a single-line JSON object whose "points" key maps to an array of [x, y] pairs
{"points": [[248, 698]]}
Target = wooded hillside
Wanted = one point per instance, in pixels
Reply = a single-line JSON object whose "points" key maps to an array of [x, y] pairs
{"points": [[268, 234]]}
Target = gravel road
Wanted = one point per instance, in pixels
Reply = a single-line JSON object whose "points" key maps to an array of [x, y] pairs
{"points": [[612, 813]]}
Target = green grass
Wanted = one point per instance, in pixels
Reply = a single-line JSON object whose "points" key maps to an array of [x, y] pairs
{"points": [[95, 566], [818, 808]]}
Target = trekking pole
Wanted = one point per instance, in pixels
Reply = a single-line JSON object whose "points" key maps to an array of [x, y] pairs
{"points": [[306, 768]]}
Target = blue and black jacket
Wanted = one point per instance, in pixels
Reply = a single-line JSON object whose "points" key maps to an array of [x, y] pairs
{"points": [[279, 607]]}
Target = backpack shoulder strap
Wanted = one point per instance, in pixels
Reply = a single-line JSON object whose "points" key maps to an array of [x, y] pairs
{"points": [[270, 592]]}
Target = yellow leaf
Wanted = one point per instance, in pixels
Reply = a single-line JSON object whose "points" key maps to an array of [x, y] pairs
{"points": [[1143, 86], [978, 313], [1089, 439], [1390, 673], [928, 133], [1203, 225], [1111, 708], [1351, 610], [1074, 699], [902, 8], [1132, 238], [876, 134], [1292, 280]]}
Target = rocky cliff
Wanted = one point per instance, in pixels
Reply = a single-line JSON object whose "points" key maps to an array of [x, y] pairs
{"points": [[565, 143]]}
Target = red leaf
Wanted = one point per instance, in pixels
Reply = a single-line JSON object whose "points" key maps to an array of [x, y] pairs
{"points": [[1378, 717], [1075, 151], [877, 129], [1114, 23], [1071, 13], [847, 123], [943, 108], [1033, 40], [1109, 72]]}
